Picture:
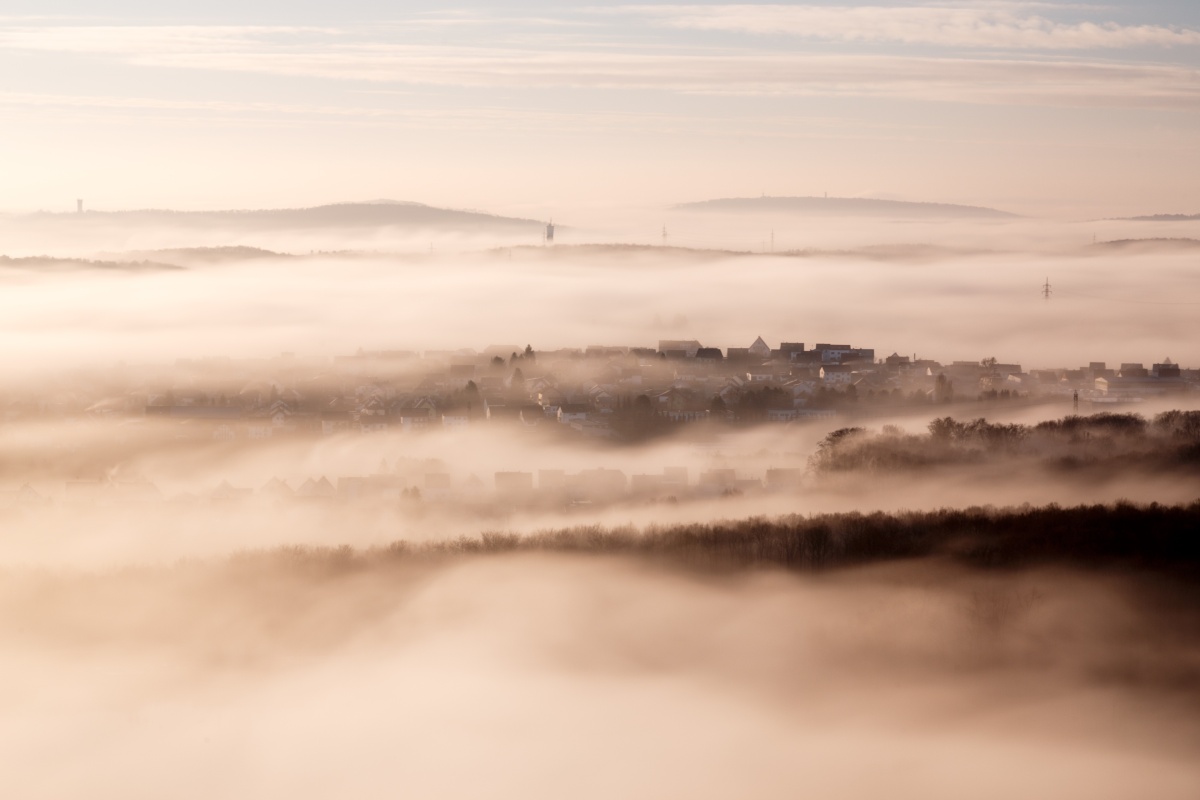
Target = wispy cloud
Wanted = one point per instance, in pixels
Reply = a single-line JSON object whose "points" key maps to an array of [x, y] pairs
{"points": [[364, 57], [117, 102], [939, 79], [133, 40], [988, 25]]}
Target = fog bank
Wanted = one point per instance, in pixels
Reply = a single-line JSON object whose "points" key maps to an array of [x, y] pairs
{"points": [[551, 677]]}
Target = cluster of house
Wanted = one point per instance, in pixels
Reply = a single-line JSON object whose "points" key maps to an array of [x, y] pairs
{"points": [[586, 390], [553, 485]]}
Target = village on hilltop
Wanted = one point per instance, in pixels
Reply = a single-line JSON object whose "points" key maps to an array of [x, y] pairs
{"points": [[598, 394]]}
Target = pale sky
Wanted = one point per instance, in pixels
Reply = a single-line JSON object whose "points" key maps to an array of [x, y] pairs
{"points": [[1066, 109]]}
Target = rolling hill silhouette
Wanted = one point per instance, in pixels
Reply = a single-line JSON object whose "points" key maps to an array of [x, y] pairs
{"points": [[845, 207], [377, 214]]}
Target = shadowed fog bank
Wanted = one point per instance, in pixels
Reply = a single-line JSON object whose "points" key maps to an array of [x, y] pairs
{"points": [[549, 667]]}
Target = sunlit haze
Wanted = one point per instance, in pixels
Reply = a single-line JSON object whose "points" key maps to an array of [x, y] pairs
{"points": [[547, 108], [561, 400]]}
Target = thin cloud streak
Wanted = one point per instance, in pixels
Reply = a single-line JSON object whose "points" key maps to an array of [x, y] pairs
{"points": [[994, 27], [341, 55], [21, 104], [986, 81], [134, 39]]}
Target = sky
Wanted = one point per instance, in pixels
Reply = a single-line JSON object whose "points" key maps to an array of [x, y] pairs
{"points": [[1069, 110]]}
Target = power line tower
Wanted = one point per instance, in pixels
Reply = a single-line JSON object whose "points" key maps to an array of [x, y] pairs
{"points": [[1046, 290]]}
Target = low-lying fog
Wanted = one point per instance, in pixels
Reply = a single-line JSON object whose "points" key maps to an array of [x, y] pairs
{"points": [[185, 514], [127, 673], [527, 677], [1110, 307]]}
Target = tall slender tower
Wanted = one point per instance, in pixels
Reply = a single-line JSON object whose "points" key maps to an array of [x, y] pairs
{"points": [[78, 206], [550, 232]]}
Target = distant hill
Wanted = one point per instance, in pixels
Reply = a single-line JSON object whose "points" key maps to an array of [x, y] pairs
{"points": [[845, 207], [380, 214], [1145, 245], [197, 255], [1162, 218], [692, 255], [54, 263]]}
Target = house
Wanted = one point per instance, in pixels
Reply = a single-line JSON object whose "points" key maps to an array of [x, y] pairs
{"points": [[760, 375], [504, 412], [134, 491], [415, 414], [837, 374], [679, 348], [573, 412], [259, 427], [415, 420], [602, 398], [1131, 370], [374, 406], [531, 415], [456, 418], [594, 428], [25, 496], [320, 489], [598, 483], [535, 386], [334, 422], [760, 349], [802, 390], [514, 483], [552, 480], [790, 351], [832, 353], [784, 478], [645, 484], [675, 477], [224, 432], [276, 490], [1122, 388], [718, 478], [1167, 369], [696, 413], [225, 493], [372, 424], [842, 353]]}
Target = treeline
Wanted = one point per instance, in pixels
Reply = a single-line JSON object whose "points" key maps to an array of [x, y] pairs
{"points": [[1170, 441], [1155, 537]]}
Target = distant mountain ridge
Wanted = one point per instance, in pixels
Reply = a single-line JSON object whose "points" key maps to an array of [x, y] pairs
{"points": [[48, 263], [196, 255], [846, 206], [1162, 218], [1147, 244], [374, 214]]}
